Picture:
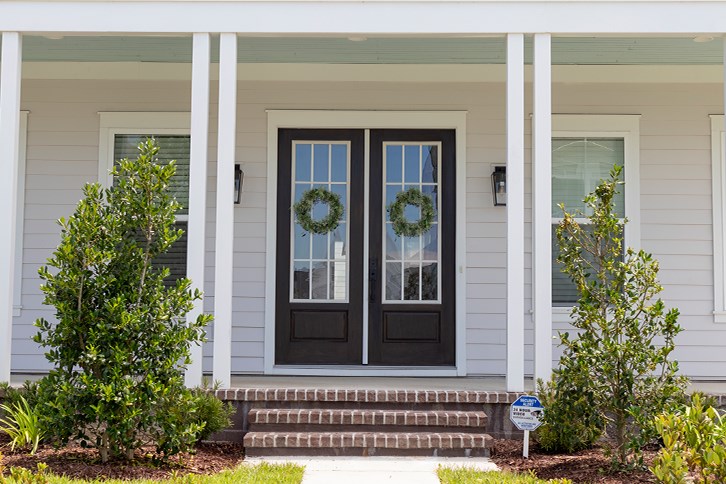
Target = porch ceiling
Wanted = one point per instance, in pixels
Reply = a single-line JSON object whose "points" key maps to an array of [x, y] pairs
{"points": [[565, 50]]}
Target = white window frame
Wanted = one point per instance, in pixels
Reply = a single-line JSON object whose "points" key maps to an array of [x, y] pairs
{"points": [[627, 127], [20, 214], [172, 123], [718, 180]]}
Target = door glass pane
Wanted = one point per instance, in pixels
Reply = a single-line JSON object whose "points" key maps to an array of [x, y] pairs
{"points": [[302, 162], [416, 278], [321, 162], [412, 164], [411, 281], [301, 280], [394, 160], [320, 280], [393, 281], [429, 165], [393, 244], [320, 261], [339, 163], [429, 277]]}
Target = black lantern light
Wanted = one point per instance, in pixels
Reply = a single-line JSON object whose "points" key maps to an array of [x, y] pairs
{"points": [[239, 177], [499, 185]]}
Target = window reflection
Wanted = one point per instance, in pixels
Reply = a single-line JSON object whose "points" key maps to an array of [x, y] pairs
{"points": [[416, 277], [320, 261]]}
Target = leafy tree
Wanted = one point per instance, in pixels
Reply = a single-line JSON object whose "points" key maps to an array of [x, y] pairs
{"points": [[620, 356], [121, 339]]}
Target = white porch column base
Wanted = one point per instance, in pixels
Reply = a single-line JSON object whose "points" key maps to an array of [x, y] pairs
{"points": [[222, 367], [541, 207], [198, 188], [10, 65], [515, 212]]}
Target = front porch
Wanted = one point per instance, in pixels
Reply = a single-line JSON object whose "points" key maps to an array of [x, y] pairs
{"points": [[649, 88]]}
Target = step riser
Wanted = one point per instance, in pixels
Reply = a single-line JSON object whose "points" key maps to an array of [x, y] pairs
{"points": [[498, 423], [392, 440], [311, 405], [363, 452], [477, 420], [359, 428]]}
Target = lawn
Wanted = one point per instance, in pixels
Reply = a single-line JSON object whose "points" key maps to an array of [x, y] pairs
{"points": [[467, 475], [258, 474]]}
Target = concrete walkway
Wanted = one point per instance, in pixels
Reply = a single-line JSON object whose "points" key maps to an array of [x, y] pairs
{"points": [[375, 470]]}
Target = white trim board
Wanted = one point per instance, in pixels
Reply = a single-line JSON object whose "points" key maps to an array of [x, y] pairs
{"points": [[433, 17], [364, 120], [626, 126], [314, 72], [20, 216]]}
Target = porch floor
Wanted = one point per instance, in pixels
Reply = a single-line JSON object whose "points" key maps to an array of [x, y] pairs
{"points": [[487, 384], [377, 383]]}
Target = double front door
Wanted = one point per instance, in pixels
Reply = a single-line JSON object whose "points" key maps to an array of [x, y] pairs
{"points": [[380, 276]]}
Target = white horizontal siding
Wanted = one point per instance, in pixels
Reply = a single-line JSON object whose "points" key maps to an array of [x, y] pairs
{"points": [[675, 201]]}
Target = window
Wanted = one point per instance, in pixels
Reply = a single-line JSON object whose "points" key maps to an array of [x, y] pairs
{"points": [[20, 217], [584, 149], [121, 133], [718, 148]]}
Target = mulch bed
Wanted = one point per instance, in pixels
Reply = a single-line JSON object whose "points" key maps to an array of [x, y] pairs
{"points": [[584, 467], [76, 462]]}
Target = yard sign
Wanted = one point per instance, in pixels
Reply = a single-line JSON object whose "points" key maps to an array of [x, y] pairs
{"points": [[525, 414]]}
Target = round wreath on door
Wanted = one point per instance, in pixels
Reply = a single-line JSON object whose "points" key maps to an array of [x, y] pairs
{"points": [[396, 211], [304, 211]]}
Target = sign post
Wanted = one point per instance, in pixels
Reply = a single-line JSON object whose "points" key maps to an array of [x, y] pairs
{"points": [[525, 413]]}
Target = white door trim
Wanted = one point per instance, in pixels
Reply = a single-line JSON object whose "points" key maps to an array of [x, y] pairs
{"points": [[277, 119]]}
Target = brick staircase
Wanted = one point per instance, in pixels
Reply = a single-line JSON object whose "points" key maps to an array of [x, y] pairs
{"points": [[364, 422]]}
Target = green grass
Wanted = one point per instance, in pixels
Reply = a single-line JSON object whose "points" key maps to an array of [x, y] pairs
{"points": [[262, 473], [466, 475]]}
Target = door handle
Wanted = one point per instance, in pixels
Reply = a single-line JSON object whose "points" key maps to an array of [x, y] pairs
{"points": [[372, 279]]}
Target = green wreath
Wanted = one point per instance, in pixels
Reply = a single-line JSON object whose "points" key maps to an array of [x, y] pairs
{"points": [[304, 208], [401, 226]]}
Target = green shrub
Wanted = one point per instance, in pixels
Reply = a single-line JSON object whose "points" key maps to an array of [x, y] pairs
{"points": [[20, 475], [694, 441], [121, 339], [618, 363], [210, 412], [11, 395], [21, 424], [570, 422]]}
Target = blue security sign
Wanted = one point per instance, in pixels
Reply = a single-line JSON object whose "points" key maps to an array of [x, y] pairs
{"points": [[526, 412]]}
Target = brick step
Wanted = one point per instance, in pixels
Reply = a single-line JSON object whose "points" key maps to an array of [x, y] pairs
{"points": [[364, 396], [430, 418], [371, 440]]}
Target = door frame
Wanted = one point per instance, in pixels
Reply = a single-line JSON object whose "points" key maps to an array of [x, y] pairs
{"points": [[365, 120]]}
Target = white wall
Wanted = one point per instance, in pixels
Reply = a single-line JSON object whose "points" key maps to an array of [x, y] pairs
{"points": [[675, 200]]}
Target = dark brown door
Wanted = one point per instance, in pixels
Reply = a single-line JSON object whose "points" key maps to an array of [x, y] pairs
{"points": [[412, 281], [319, 288]]}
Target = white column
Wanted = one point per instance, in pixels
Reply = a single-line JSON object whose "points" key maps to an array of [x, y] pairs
{"points": [[10, 64], [198, 188], [223, 272], [542, 207], [515, 212]]}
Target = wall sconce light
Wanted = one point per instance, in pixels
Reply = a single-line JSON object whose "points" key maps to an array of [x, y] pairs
{"points": [[499, 185], [239, 178]]}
